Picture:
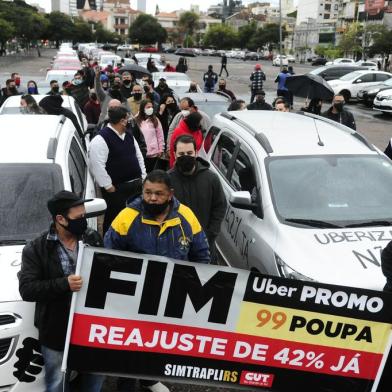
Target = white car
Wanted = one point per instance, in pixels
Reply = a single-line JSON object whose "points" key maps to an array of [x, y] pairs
{"points": [[12, 106], [291, 59], [368, 64], [280, 60], [349, 85], [341, 61], [177, 81], [42, 157], [142, 59], [383, 101], [109, 59], [302, 199], [61, 75]]}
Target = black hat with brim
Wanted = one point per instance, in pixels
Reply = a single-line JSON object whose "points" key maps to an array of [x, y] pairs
{"points": [[63, 201]]}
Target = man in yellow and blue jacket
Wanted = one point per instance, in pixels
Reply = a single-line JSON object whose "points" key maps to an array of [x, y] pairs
{"points": [[158, 224]]}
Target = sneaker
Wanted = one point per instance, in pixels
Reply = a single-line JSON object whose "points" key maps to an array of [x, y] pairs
{"points": [[158, 387]]}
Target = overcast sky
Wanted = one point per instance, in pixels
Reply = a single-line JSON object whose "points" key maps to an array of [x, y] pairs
{"points": [[165, 5]]}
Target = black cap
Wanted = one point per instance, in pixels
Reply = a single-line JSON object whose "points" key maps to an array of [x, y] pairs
{"points": [[162, 79], [63, 201], [260, 92]]}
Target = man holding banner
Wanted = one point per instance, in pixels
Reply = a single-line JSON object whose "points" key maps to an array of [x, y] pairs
{"points": [[48, 278], [156, 223]]}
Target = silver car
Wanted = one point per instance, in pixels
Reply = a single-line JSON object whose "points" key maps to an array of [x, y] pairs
{"points": [[309, 198]]}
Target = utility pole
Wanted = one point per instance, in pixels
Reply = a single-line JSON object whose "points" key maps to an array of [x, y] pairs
{"points": [[280, 33]]}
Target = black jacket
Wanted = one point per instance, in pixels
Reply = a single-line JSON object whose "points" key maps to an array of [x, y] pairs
{"points": [[386, 265], [259, 106], [344, 117], [202, 192], [41, 280]]}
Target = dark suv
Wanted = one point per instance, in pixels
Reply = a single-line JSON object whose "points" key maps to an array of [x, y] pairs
{"points": [[335, 71]]}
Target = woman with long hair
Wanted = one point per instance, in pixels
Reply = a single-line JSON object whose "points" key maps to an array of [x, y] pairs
{"points": [[168, 109], [152, 131], [32, 87], [28, 105]]}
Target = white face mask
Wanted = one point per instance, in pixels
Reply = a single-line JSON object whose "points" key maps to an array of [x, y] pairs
{"points": [[185, 113], [149, 111]]}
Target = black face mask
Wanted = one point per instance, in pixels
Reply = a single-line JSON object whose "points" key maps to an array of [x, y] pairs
{"points": [[137, 96], [338, 106], [172, 106], [222, 87], [56, 89], [260, 99], [13, 90], [185, 163], [155, 209], [146, 89], [126, 82], [76, 226], [116, 86]]}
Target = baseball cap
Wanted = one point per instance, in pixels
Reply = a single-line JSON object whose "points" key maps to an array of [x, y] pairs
{"points": [[162, 79], [63, 201]]}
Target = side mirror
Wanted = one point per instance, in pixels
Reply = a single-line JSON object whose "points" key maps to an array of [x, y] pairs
{"points": [[95, 207], [242, 200]]}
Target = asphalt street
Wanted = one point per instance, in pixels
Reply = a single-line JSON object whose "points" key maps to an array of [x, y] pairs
{"points": [[376, 127]]}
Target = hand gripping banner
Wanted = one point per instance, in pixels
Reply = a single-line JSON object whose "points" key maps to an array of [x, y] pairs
{"points": [[156, 318]]}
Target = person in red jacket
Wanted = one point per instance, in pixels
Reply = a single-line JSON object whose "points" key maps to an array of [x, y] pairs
{"points": [[169, 68], [190, 125]]}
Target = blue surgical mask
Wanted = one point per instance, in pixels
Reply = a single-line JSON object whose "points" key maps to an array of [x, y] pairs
{"points": [[32, 90]]}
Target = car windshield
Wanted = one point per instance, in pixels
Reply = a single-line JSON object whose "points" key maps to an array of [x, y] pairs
{"points": [[318, 70], [351, 76], [25, 190], [211, 107], [337, 189], [388, 82]]}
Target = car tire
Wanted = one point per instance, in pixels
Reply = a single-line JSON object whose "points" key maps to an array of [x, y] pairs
{"points": [[346, 95]]}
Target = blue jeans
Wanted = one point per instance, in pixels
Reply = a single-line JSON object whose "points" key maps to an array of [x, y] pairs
{"points": [[57, 381]]}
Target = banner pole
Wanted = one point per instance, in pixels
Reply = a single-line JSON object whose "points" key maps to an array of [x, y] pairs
{"points": [[72, 310], [382, 364]]}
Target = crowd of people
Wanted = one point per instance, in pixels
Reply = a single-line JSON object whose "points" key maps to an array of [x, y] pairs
{"points": [[161, 197]]}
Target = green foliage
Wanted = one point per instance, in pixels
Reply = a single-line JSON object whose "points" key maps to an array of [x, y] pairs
{"points": [[328, 51], [7, 31], [221, 36], [381, 39], [146, 30], [246, 32], [267, 36], [351, 41], [82, 31], [189, 22], [60, 27]]}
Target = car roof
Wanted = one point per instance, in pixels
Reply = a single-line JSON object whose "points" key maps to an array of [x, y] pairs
{"points": [[297, 134], [19, 132], [14, 100], [205, 97]]}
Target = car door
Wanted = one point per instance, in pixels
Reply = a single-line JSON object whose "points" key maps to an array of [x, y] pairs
{"points": [[362, 82]]}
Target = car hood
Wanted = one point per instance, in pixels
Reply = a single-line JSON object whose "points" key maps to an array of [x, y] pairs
{"points": [[385, 93], [10, 261], [348, 257]]}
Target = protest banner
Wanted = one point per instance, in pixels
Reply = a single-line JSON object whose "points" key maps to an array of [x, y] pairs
{"points": [[156, 318]]}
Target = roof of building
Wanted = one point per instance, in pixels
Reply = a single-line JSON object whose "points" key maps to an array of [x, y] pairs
{"points": [[97, 16], [167, 15]]}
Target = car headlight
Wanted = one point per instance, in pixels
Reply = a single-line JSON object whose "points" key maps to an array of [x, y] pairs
{"points": [[286, 271], [389, 97]]}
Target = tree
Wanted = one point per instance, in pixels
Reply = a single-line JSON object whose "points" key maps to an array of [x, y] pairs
{"points": [[188, 24], [60, 27], [82, 31], [267, 36], [245, 33], [221, 36], [6, 32], [350, 41], [146, 30], [102, 35], [381, 39]]}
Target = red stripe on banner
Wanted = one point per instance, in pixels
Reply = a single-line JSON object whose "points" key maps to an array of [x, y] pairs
{"points": [[144, 336]]}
